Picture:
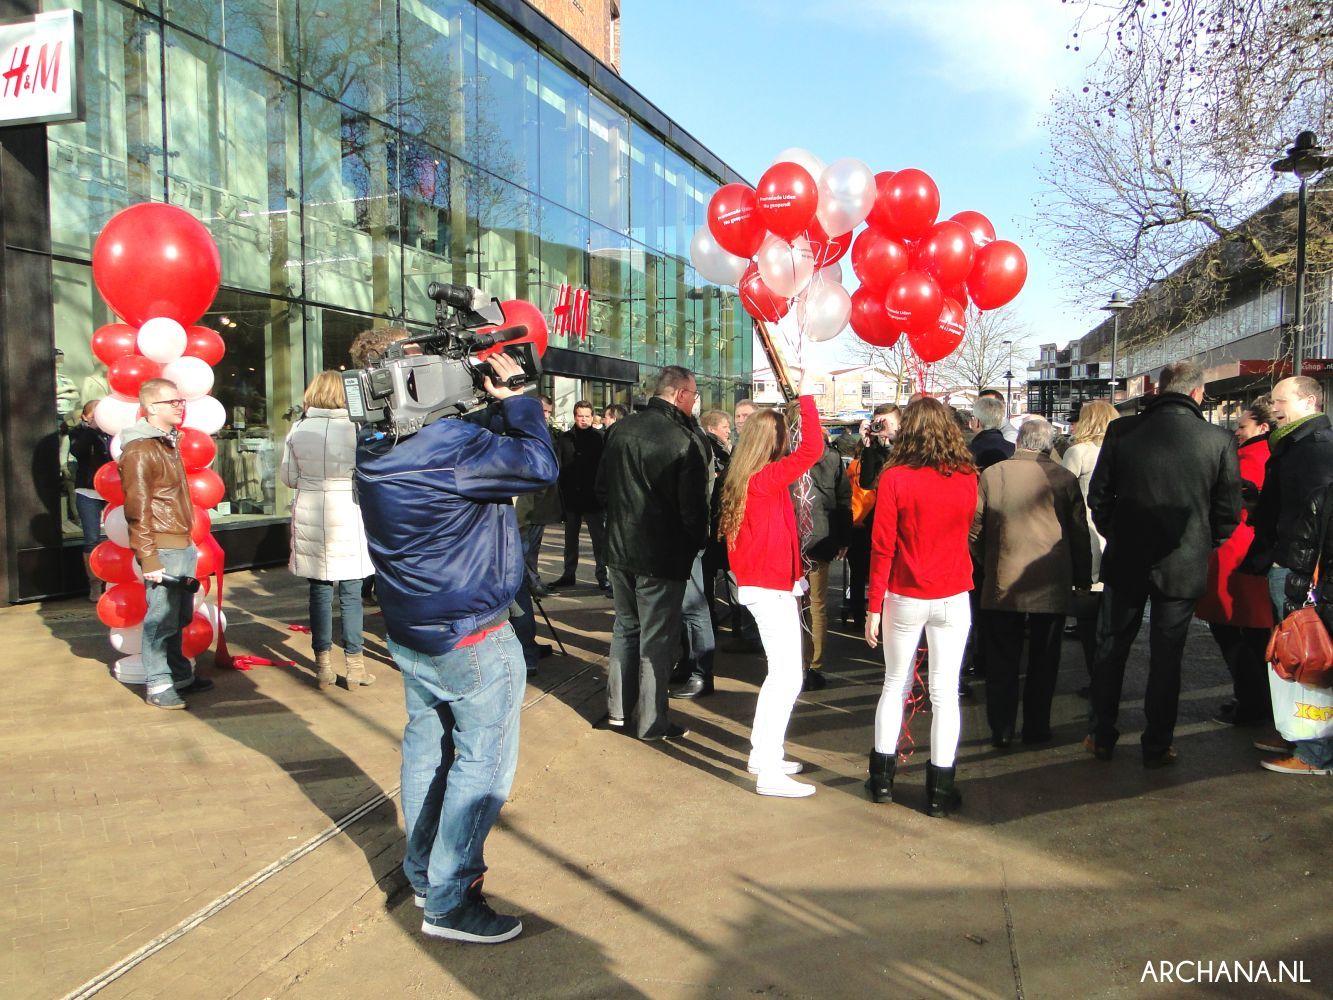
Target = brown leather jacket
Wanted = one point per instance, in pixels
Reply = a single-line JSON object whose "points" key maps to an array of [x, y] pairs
{"points": [[157, 494]]}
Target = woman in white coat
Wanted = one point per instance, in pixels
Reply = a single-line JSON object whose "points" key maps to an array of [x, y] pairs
{"points": [[328, 539]]}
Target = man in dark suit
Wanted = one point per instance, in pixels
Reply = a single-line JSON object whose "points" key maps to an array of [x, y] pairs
{"points": [[1165, 493], [580, 452], [989, 445]]}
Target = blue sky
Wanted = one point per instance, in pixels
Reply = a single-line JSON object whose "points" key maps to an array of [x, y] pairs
{"points": [[957, 88]]}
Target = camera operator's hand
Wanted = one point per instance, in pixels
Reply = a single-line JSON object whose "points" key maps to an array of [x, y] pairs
{"points": [[505, 368]]}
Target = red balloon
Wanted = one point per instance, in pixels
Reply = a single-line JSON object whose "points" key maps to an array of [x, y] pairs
{"points": [[870, 320], [205, 344], [106, 481], [913, 301], [787, 199], [206, 488], [206, 565], [758, 299], [196, 449], [946, 252], [203, 524], [997, 274], [877, 260], [878, 218], [958, 293], [735, 221], [911, 204], [517, 312], [196, 636], [112, 563], [943, 338], [128, 373], [216, 559], [156, 260], [826, 249], [978, 225], [122, 606], [113, 341]]}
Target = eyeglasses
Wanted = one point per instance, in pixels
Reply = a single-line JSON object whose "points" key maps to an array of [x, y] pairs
{"points": [[692, 392], [175, 404]]}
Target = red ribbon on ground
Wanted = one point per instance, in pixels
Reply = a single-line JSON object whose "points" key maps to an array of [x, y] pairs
{"points": [[247, 662]]}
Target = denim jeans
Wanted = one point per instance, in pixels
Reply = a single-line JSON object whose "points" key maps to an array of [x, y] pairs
{"points": [[321, 614], [697, 624], [90, 519], [460, 751], [169, 610]]}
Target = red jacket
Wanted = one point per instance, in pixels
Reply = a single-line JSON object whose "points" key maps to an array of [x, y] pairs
{"points": [[1234, 598], [919, 547], [767, 552]]}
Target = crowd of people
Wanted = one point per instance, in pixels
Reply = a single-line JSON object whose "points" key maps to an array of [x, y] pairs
{"points": [[966, 540]]}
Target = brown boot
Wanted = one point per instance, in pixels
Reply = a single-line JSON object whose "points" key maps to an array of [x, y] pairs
{"points": [[324, 675], [94, 585], [356, 671]]}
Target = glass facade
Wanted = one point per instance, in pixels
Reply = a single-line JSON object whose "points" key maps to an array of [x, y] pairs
{"points": [[346, 153]]}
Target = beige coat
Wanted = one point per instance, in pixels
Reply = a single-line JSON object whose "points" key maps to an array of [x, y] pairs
{"points": [[1030, 535]]}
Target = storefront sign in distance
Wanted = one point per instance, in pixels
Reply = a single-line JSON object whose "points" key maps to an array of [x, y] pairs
{"points": [[41, 69]]}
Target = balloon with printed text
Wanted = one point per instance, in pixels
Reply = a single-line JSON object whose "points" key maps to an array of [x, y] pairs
{"points": [[788, 198], [735, 221], [913, 301], [939, 341]]}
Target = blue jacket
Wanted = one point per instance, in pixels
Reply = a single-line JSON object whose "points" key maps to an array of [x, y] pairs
{"points": [[440, 524]]}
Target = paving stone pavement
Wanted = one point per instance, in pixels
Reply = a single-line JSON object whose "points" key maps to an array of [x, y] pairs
{"points": [[639, 870]]}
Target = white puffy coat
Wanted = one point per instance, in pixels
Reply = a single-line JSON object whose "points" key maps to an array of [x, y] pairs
{"points": [[328, 539]]}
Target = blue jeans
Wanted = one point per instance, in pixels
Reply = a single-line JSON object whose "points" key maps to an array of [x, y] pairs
{"points": [[169, 610], [321, 614], [1316, 752], [697, 624], [460, 751], [90, 519]]}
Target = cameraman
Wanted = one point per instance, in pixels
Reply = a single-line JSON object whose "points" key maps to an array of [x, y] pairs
{"points": [[444, 540]]}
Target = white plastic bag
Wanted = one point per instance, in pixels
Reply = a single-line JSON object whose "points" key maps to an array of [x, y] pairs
{"points": [[1300, 711]]}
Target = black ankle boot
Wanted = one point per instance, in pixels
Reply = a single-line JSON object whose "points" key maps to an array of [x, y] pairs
{"points": [[942, 797], [883, 766]]}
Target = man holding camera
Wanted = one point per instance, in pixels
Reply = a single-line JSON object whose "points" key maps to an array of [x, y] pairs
{"points": [[448, 559]]}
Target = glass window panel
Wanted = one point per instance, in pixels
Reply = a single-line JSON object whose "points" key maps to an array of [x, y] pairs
{"points": [[439, 52], [563, 118], [507, 249], [222, 111], [679, 204], [647, 213], [353, 253], [564, 253], [505, 137], [114, 158], [255, 29], [349, 52], [609, 269], [439, 232], [608, 145]]}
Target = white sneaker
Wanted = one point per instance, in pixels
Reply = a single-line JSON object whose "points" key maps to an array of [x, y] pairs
{"points": [[782, 785], [786, 767]]}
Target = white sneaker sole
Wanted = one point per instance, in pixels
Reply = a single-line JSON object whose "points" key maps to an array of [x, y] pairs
{"points": [[420, 900], [787, 767], [796, 790], [449, 934]]}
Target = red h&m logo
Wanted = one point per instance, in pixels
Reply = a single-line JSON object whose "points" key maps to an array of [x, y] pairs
{"points": [[45, 75], [571, 311]]}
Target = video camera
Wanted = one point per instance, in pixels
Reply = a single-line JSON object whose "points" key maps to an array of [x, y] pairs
{"points": [[439, 374]]}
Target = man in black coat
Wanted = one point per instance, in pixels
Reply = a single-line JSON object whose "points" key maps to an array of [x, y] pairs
{"points": [[579, 450], [830, 531], [653, 485], [989, 445], [1164, 494]]}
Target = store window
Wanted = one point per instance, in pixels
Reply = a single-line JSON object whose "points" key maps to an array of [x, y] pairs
{"points": [[507, 245], [260, 30], [609, 283], [504, 141], [608, 144], [438, 234], [647, 171], [564, 254], [348, 51], [439, 53], [563, 144]]}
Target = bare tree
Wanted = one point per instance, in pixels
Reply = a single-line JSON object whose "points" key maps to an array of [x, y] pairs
{"points": [[989, 345]]}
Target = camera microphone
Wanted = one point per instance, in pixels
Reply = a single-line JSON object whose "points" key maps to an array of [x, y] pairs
{"points": [[484, 340], [457, 296]]}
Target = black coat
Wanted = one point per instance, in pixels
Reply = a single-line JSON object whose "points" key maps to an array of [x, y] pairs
{"points": [[1299, 463], [989, 447], [831, 512], [874, 456], [715, 550], [90, 447], [580, 453], [1165, 493], [653, 484], [1304, 553]]}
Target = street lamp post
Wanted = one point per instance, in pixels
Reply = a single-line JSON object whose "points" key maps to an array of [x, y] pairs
{"points": [[1008, 346], [1115, 305], [1304, 159]]}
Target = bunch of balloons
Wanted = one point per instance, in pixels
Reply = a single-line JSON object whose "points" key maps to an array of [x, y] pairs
{"points": [[781, 243], [158, 269]]}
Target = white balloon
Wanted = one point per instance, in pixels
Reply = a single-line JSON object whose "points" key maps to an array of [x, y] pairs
{"points": [[127, 640], [129, 670], [205, 414], [117, 446], [115, 412], [831, 273], [714, 263], [823, 311], [786, 268], [116, 527], [162, 339], [846, 195], [813, 165], [192, 376]]}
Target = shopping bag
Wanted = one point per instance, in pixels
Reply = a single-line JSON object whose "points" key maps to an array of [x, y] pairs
{"points": [[1300, 711]]}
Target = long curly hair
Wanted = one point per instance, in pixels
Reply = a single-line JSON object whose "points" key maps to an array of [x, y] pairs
{"points": [[763, 440], [930, 438]]}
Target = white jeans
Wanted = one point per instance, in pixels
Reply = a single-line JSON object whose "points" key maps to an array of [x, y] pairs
{"points": [[946, 621], [779, 619]]}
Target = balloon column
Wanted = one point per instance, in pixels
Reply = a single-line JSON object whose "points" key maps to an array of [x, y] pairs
{"points": [[781, 243], [158, 269]]}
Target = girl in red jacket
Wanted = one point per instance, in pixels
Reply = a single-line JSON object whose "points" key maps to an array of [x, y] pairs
{"points": [[759, 525], [920, 574]]}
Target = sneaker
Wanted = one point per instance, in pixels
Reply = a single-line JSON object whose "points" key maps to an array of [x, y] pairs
{"points": [[1293, 765], [419, 898], [1273, 744], [786, 767], [196, 685], [782, 786], [615, 723], [474, 921], [167, 699]]}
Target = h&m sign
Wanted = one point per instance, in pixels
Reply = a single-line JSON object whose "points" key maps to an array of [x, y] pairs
{"points": [[41, 69]]}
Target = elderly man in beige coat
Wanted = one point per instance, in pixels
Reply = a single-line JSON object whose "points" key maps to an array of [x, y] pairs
{"points": [[1030, 537]]}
